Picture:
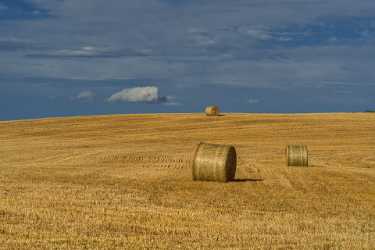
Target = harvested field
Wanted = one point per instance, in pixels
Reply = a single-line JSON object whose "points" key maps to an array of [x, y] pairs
{"points": [[125, 182]]}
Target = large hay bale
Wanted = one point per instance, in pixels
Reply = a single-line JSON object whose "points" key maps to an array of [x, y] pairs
{"points": [[297, 155], [214, 162], [212, 110]]}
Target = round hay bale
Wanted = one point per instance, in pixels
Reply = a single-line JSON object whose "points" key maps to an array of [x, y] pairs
{"points": [[212, 110], [214, 162], [297, 155]]}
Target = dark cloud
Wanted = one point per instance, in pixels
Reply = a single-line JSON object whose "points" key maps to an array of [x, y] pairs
{"points": [[15, 44], [21, 10]]}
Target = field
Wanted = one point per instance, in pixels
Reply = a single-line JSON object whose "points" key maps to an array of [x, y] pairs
{"points": [[124, 182]]}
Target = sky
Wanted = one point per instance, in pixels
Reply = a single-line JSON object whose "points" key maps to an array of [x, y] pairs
{"points": [[69, 57]]}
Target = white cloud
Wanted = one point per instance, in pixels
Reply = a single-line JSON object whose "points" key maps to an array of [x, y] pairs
{"points": [[91, 51], [86, 95], [170, 101], [83, 51], [253, 101], [260, 33], [201, 37], [138, 94]]}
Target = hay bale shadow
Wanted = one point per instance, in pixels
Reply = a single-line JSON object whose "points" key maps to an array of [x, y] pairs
{"points": [[215, 115], [317, 166], [247, 179]]}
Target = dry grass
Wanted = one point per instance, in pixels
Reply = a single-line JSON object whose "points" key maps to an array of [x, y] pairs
{"points": [[124, 182]]}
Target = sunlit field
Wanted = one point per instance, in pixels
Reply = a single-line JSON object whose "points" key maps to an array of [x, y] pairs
{"points": [[125, 182]]}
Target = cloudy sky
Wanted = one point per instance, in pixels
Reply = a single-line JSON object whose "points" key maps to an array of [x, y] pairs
{"points": [[69, 57]]}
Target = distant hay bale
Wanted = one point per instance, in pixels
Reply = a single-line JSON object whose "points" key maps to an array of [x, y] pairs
{"points": [[297, 155], [214, 162], [212, 110]]}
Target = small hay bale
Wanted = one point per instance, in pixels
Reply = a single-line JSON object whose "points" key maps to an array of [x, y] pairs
{"points": [[214, 162], [297, 155], [212, 110]]}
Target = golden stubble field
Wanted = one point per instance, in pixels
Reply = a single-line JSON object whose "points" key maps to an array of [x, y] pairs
{"points": [[124, 182]]}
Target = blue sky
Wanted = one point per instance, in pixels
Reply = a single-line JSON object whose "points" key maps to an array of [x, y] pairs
{"points": [[69, 57]]}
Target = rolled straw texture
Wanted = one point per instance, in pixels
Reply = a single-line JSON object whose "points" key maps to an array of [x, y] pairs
{"points": [[214, 162], [297, 155], [212, 110]]}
